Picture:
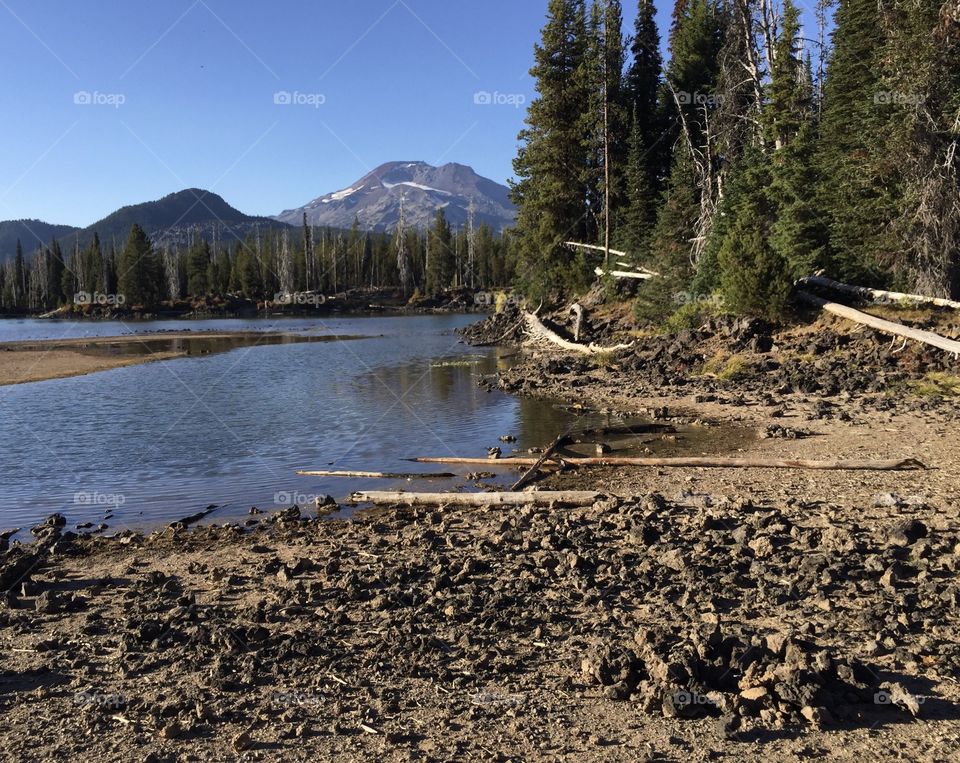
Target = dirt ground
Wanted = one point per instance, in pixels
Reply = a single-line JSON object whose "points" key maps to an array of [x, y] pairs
{"points": [[696, 614]]}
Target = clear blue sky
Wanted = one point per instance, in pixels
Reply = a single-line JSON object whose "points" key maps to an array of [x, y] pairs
{"points": [[184, 95]]}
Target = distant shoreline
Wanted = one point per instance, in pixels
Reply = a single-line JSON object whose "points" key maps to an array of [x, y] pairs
{"points": [[34, 360]]}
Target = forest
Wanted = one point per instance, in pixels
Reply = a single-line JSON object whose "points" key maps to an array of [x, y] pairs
{"points": [[273, 265], [760, 151]]}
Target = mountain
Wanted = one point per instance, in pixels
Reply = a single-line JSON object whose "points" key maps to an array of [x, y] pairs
{"points": [[32, 233], [375, 199], [176, 218]]}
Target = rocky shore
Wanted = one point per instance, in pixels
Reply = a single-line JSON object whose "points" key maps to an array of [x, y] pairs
{"points": [[692, 614]]}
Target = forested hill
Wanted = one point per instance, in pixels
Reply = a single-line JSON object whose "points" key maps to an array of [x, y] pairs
{"points": [[31, 234], [177, 219], [180, 217]]}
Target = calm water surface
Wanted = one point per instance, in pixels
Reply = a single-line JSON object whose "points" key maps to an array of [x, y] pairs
{"points": [[156, 442]]}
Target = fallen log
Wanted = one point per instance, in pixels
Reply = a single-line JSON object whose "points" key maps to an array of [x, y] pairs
{"points": [[887, 327], [617, 252], [624, 274], [537, 330], [877, 295], [380, 475], [560, 497], [704, 462], [528, 475]]}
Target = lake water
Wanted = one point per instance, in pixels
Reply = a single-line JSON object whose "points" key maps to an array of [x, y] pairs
{"points": [[153, 443]]}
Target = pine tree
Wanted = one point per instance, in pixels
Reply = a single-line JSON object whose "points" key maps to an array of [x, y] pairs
{"points": [[441, 268], [198, 269], [137, 272], [754, 276], [857, 191], [647, 150], [19, 278], [548, 193], [695, 43]]}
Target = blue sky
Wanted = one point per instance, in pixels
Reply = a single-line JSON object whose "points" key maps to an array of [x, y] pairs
{"points": [[111, 103]]}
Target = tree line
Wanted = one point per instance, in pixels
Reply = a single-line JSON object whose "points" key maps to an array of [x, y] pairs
{"points": [[267, 265], [757, 153]]}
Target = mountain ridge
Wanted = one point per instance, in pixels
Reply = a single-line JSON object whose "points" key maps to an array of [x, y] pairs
{"points": [[374, 199]]}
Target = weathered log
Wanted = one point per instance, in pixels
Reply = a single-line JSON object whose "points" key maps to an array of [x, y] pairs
{"points": [[624, 274], [887, 327], [560, 497], [528, 475], [877, 295], [616, 252], [704, 462], [537, 330], [380, 475]]}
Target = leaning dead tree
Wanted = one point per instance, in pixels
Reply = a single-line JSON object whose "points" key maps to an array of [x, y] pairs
{"points": [[878, 295], [887, 327], [538, 332]]}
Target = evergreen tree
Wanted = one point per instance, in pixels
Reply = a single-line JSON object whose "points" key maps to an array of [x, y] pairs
{"points": [[647, 151], [137, 271], [856, 192], [198, 265], [548, 193], [441, 269], [695, 43], [754, 276], [19, 278]]}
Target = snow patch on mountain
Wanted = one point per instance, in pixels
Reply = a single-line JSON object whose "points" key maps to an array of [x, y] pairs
{"points": [[374, 200]]}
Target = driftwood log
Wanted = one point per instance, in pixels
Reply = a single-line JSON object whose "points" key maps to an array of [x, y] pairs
{"points": [[887, 327], [537, 330], [719, 463], [877, 295], [544, 497], [624, 274], [379, 475]]}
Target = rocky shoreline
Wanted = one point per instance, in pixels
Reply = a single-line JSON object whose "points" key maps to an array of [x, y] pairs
{"points": [[692, 614]]}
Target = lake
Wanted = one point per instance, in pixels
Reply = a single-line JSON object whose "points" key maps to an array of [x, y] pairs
{"points": [[152, 443]]}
